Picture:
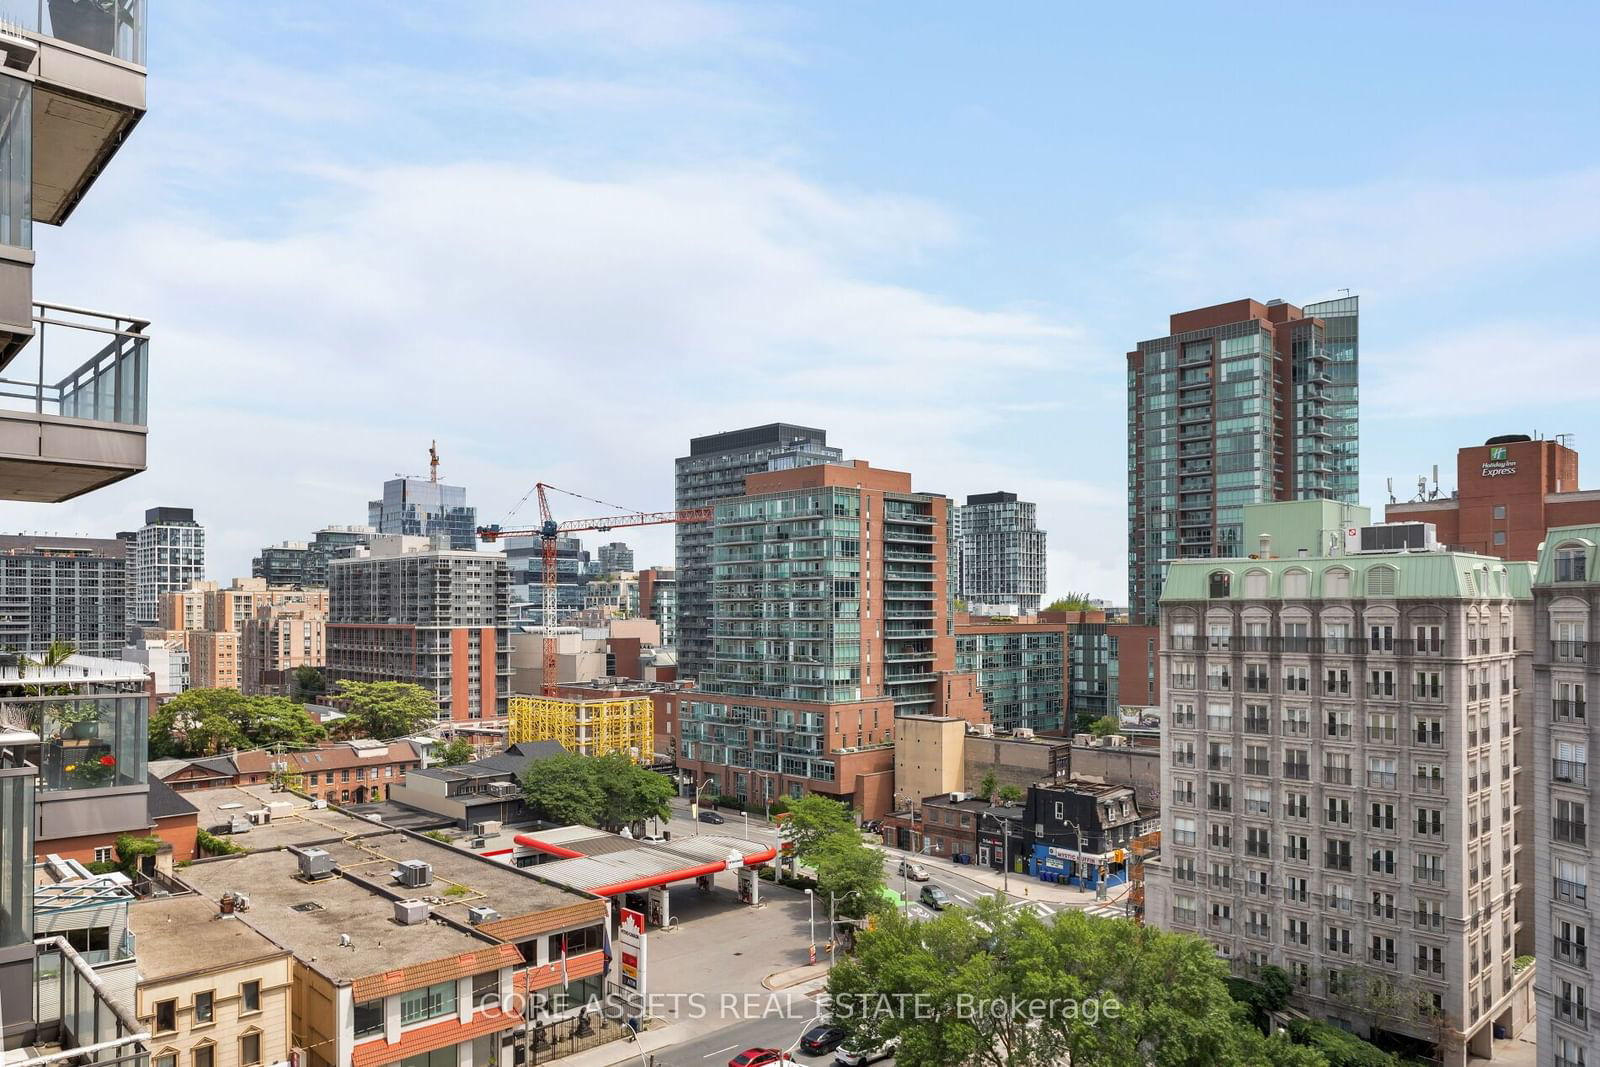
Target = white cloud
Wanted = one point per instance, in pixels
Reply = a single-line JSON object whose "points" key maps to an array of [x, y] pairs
{"points": [[1381, 236], [543, 326], [1496, 367]]}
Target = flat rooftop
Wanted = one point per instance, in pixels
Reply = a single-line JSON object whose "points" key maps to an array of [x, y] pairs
{"points": [[370, 850], [185, 935], [310, 917]]}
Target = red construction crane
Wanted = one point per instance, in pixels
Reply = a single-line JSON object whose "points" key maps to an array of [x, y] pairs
{"points": [[549, 530]]}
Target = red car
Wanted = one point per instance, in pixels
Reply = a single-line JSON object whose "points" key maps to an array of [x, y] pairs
{"points": [[759, 1057]]}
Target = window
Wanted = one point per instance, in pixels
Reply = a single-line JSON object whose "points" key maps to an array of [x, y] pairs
{"points": [[204, 1056], [166, 1016], [166, 1059], [250, 997], [1221, 583], [1336, 583], [1571, 563], [369, 1018], [1296, 584], [90, 939], [1499, 537], [430, 1003], [249, 1049], [1381, 581], [105, 854], [1499, 511], [203, 1008]]}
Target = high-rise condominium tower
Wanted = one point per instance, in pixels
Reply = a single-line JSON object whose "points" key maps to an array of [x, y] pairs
{"points": [[1002, 564], [714, 470], [169, 555], [1240, 403]]}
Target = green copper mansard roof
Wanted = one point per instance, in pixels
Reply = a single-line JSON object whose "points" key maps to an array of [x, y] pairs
{"points": [[1399, 576]]}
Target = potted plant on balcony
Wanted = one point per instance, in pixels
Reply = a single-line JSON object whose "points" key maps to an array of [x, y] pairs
{"points": [[93, 772]]}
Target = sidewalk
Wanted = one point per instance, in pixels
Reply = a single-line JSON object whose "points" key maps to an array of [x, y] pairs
{"points": [[1022, 885]]}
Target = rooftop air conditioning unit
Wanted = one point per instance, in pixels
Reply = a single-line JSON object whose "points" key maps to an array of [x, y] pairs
{"points": [[260, 817], [239, 825], [315, 864], [1023, 733], [983, 729], [1087, 740], [410, 912], [956, 798], [480, 915], [1115, 741], [414, 874], [502, 789]]}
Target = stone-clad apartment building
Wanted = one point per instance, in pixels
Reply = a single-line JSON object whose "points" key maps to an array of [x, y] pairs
{"points": [[1566, 611], [1339, 769]]}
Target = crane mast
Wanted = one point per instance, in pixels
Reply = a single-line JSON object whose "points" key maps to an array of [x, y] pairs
{"points": [[549, 531]]}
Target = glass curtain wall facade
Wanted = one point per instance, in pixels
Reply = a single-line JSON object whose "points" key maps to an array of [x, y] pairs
{"points": [[714, 470], [426, 509], [1242, 403], [1001, 555], [1021, 675]]}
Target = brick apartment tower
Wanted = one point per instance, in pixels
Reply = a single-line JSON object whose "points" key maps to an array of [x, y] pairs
{"points": [[831, 616], [1240, 403]]}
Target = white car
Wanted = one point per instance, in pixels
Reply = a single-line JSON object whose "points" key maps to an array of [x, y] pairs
{"points": [[850, 1058], [914, 871]]}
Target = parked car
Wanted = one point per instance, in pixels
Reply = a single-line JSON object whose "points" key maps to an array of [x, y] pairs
{"points": [[858, 1058], [821, 1039], [914, 871], [934, 897], [712, 817], [760, 1057]]}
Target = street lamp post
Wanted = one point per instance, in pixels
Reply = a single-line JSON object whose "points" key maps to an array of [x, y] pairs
{"points": [[746, 815], [833, 924], [811, 900]]}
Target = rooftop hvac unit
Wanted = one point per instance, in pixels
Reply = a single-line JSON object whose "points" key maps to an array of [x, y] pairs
{"points": [[260, 817], [315, 864], [413, 874], [239, 825], [956, 798], [1086, 740], [1391, 537], [1115, 741], [487, 828], [410, 912], [478, 842], [983, 729], [480, 915], [502, 789], [1023, 733]]}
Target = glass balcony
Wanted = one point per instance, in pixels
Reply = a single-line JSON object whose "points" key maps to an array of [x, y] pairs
{"points": [[115, 28], [90, 717], [72, 404]]}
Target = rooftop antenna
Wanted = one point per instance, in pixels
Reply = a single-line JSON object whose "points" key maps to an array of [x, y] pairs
{"points": [[1346, 292], [1391, 491], [1435, 494], [433, 461], [1422, 489]]}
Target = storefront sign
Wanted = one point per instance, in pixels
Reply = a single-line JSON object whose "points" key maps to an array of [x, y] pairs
{"points": [[630, 950]]}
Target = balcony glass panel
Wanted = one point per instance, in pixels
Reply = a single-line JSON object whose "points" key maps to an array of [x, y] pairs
{"points": [[81, 365], [91, 742], [16, 163], [111, 27]]}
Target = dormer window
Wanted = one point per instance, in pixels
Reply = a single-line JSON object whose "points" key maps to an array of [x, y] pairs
{"points": [[1572, 563], [1221, 584]]}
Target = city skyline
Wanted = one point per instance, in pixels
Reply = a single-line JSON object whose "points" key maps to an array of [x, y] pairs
{"points": [[892, 258]]}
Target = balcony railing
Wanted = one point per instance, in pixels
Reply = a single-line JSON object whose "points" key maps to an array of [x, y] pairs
{"points": [[111, 27], [1565, 770], [1570, 831], [1577, 892], [1574, 952], [108, 360], [72, 1010]]}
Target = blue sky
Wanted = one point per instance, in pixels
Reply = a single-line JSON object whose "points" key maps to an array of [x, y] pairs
{"points": [[563, 237]]}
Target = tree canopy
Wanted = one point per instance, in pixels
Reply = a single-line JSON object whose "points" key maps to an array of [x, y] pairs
{"points": [[812, 819], [204, 722], [1071, 602], [610, 791], [1108, 993], [453, 753], [850, 872], [384, 710]]}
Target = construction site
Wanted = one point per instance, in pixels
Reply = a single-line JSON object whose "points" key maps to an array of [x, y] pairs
{"points": [[588, 727]]}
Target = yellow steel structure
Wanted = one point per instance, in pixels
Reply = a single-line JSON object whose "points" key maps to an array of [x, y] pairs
{"points": [[587, 727]]}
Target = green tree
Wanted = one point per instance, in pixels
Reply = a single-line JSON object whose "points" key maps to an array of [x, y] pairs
{"points": [[204, 722], [1120, 993], [1276, 986], [1010, 794], [812, 819], [988, 786], [308, 683], [384, 710], [1071, 602], [1105, 726], [629, 793], [453, 753], [850, 872], [562, 789]]}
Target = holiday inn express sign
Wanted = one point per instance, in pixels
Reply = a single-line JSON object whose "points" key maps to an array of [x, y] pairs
{"points": [[1498, 466]]}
